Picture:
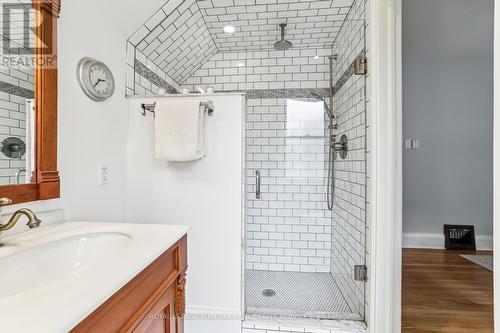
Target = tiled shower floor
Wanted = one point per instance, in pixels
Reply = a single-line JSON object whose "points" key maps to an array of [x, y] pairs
{"points": [[298, 295]]}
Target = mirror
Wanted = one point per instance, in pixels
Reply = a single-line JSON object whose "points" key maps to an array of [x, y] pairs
{"points": [[28, 100], [17, 94]]}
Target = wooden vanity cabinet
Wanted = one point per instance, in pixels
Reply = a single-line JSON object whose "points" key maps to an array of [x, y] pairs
{"points": [[152, 302]]}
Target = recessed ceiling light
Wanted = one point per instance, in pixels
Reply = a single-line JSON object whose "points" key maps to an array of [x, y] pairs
{"points": [[240, 64], [316, 57], [229, 29]]}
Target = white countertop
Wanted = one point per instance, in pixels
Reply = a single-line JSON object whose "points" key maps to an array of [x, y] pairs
{"points": [[59, 305]]}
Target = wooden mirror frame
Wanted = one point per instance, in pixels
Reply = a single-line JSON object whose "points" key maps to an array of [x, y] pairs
{"points": [[45, 181]]}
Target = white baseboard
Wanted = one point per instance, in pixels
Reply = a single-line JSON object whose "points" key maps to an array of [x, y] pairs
{"points": [[436, 241]]}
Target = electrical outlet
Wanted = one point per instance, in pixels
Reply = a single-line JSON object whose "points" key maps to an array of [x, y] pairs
{"points": [[103, 174]]}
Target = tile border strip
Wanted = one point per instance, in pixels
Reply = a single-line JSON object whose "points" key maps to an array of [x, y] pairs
{"points": [[154, 78], [12, 89]]}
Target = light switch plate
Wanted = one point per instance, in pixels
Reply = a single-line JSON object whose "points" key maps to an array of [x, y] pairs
{"points": [[415, 144], [103, 174], [407, 144]]}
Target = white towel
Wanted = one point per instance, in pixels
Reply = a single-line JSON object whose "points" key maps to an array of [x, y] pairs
{"points": [[179, 130]]}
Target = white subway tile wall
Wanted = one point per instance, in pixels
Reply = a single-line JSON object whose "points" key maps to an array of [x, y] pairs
{"points": [[182, 35], [310, 24], [263, 70], [144, 78], [289, 228], [12, 124], [349, 213], [16, 86], [176, 39], [17, 81], [368, 143]]}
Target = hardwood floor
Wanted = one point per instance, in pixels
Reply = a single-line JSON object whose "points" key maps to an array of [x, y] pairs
{"points": [[445, 293]]}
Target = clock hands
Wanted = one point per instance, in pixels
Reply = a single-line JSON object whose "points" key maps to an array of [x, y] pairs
{"points": [[99, 81]]}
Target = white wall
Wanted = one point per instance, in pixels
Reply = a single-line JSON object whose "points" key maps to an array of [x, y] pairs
{"points": [[90, 133], [447, 105], [205, 194]]}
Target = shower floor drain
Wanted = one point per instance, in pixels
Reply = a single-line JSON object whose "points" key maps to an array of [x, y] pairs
{"points": [[268, 292]]}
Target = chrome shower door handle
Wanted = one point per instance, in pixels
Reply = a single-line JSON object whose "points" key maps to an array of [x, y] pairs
{"points": [[257, 184]]}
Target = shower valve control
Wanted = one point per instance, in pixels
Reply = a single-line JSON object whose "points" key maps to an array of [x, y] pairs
{"points": [[341, 146]]}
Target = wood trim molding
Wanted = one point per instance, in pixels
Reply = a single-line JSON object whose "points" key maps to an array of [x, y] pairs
{"points": [[52, 6], [45, 179], [180, 295]]}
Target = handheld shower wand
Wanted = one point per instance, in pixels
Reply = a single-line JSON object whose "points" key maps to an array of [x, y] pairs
{"points": [[332, 125]]}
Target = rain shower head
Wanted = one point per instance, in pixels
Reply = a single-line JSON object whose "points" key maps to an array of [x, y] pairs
{"points": [[282, 44]]}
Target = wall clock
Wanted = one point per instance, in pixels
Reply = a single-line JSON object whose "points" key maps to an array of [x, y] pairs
{"points": [[95, 79]]}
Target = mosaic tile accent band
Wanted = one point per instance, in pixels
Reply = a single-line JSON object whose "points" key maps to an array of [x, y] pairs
{"points": [[282, 93], [16, 90], [153, 77], [347, 74], [285, 93]]}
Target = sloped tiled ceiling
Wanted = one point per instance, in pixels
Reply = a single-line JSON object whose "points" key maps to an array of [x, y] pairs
{"points": [[181, 36], [310, 24], [176, 39]]}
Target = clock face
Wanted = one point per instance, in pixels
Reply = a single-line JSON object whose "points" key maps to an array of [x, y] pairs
{"points": [[96, 79], [101, 79]]}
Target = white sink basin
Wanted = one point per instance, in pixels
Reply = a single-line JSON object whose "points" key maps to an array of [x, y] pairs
{"points": [[58, 259], [52, 277]]}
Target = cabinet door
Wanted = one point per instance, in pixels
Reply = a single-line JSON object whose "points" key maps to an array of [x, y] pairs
{"points": [[161, 317]]}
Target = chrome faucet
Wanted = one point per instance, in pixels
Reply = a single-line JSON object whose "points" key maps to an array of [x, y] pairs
{"points": [[33, 220]]}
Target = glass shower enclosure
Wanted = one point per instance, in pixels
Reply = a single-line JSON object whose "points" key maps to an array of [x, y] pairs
{"points": [[303, 260]]}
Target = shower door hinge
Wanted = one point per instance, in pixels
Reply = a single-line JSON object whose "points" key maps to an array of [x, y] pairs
{"points": [[360, 66], [360, 273]]}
